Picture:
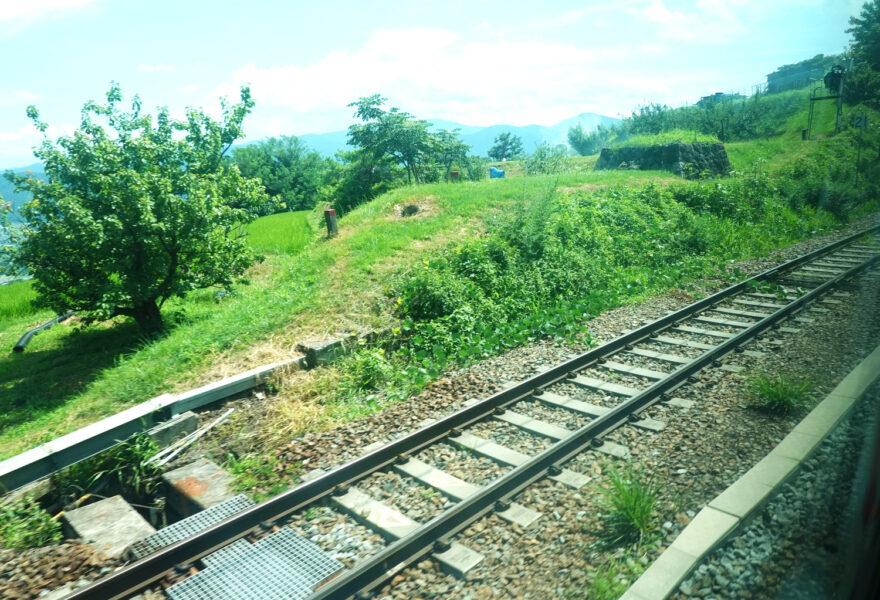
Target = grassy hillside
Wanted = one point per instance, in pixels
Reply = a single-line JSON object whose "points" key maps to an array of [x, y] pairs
{"points": [[308, 286]]}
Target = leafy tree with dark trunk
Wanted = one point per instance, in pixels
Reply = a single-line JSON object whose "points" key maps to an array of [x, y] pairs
{"points": [[450, 150], [506, 146], [134, 211]]}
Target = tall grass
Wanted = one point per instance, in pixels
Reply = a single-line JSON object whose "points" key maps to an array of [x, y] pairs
{"points": [[15, 300], [282, 233]]}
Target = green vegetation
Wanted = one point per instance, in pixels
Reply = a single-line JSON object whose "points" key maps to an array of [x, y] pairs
{"points": [[294, 177], [673, 136], [778, 394], [611, 580], [129, 216], [16, 300], [261, 476], [24, 524], [630, 503], [862, 85], [506, 146], [123, 468], [282, 233]]}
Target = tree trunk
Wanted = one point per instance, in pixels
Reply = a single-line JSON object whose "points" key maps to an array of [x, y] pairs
{"points": [[148, 317]]}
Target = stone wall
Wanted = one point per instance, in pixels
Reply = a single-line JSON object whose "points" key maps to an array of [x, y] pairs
{"points": [[682, 159]]}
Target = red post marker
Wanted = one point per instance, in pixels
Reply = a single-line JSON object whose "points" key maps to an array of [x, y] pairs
{"points": [[330, 217]]}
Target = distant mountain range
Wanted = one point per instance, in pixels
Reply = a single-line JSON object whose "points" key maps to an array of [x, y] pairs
{"points": [[480, 139]]}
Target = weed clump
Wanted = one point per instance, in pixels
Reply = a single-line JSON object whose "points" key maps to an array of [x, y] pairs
{"points": [[24, 524], [630, 504], [778, 394]]}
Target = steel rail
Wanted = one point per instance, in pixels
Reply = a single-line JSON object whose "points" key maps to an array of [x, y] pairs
{"points": [[142, 573]]}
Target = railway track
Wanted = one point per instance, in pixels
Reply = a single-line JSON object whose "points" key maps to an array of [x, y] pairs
{"points": [[615, 392]]}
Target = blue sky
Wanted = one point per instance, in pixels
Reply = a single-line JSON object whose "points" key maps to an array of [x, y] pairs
{"points": [[476, 62]]}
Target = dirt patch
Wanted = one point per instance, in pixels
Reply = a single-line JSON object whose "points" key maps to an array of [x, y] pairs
{"points": [[416, 209]]}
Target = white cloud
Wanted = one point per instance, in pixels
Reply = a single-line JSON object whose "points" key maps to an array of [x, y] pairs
{"points": [[18, 98], [16, 15], [438, 74], [187, 89], [155, 68], [711, 21]]}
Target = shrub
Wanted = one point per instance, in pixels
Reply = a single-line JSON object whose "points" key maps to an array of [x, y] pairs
{"points": [[547, 160], [24, 524], [778, 394]]}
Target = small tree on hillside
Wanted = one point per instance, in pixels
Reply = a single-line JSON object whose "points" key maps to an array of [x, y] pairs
{"points": [[863, 84], [137, 212], [506, 146], [391, 133], [451, 149]]}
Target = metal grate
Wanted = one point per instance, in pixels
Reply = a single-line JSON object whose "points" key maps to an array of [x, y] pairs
{"points": [[282, 566], [229, 554], [189, 526]]}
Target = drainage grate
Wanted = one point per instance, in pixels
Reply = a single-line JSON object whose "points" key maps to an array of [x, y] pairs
{"points": [[189, 526], [282, 566], [229, 554]]}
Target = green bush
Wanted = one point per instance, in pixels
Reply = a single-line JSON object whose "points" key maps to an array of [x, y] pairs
{"points": [[24, 524], [547, 160]]}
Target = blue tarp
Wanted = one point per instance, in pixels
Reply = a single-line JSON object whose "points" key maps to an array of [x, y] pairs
{"points": [[495, 173]]}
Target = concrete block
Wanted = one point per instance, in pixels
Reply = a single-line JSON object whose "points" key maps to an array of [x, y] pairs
{"points": [[519, 514], [171, 430], [631, 370], [458, 560], [742, 497], [592, 410], [664, 576], [534, 426], [441, 481], [701, 331], [797, 445], [680, 402], [197, 486], [35, 490], [615, 450], [598, 384], [708, 528], [110, 525], [391, 523], [650, 424], [323, 352]]}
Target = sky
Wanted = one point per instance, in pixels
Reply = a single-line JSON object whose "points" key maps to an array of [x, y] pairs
{"points": [[476, 62]]}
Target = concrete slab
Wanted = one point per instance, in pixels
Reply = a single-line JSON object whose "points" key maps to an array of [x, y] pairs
{"points": [[663, 576], [701, 331], [674, 341], [742, 498], [389, 522], [671, 358], [443, 482], [732, 368], [506, 456], [744, 302], [741, 313], [532, 425], [825, 416], [604, 386], [35, 490], [650, 424], [860, 378], [754, 354], [323, 352], [725, 322], [110, 525], [197, 486], [789, 330], [680, 402], [797, 445], [458, 560], [165, 433], [707, 529], [613, 449], [519, 514], [631, 370], [586, 408]]}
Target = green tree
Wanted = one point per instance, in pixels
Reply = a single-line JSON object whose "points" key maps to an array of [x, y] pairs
{"points": [[588, 143], [391, 133], [863, 83], [292, 175], [134, 211], [506, 146], [451, 149]]}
